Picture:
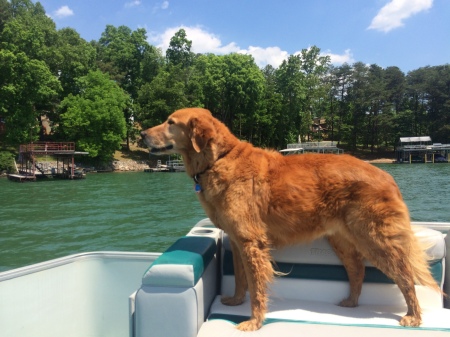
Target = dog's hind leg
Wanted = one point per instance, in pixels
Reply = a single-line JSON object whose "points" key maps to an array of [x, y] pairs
{"points": [[354, 265], [389, 252], [240, 279]]}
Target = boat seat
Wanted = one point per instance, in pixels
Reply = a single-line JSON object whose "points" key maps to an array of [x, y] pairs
{"points": [[177, 289], [180, 293], [316, 281]]}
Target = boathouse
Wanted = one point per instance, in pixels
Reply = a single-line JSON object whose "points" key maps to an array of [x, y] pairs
{"points": [[29, 168], [421, 150]]}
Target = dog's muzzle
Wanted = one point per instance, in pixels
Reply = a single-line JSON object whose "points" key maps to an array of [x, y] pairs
{"points": [[161, 149], [152, 148]]}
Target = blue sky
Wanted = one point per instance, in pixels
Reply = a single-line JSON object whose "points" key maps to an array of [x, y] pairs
{"points": [[406, 33]]}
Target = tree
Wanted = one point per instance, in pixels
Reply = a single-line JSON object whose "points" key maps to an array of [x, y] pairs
{"points": [[417, 100], [341, 79], [271, 110], [94, 117], [395, 87], [161, 97], [314, 68], [5, 13], [290, 84], [376, 96], [437, 88], [179, 51], [76, 59], [358, 97], [232, 87], [27, 88], [127, 57], [31, 31]]}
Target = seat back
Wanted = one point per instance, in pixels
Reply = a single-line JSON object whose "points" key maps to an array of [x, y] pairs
{"points": [[313, 272], [178, 288]]}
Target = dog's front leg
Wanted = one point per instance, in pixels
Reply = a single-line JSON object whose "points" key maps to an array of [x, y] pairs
{"points": [[259, 272], [240, 279]]}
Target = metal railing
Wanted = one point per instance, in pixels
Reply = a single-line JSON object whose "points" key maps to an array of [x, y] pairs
{"points": [[48, 147], [312, 145]]}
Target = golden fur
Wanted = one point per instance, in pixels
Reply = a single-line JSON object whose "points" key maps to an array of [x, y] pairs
{"points": [[265, 200]]}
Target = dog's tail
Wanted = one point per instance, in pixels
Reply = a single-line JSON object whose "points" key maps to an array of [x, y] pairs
{"points": [[419, 259]]}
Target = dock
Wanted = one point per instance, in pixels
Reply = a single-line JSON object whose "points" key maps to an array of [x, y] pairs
{"points": [[312, 147], [21, 177], [158, 168], [29, 169], [171, 166], [421, 150]]}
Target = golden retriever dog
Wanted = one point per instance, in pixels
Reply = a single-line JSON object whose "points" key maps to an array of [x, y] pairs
{"points": [[264, 200]]}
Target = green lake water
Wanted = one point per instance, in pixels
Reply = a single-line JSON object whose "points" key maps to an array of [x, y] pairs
{"points": [[146, 211]]}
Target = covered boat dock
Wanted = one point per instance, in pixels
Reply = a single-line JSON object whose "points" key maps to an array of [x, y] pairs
{"points": [[421, 150], [29, 169]]}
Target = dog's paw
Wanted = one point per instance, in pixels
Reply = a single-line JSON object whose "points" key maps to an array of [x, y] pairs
{"points": [[348, 303], [250, 325], [232, 301], [409, 320]]}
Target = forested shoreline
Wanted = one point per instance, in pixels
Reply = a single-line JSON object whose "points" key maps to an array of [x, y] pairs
{"points": [[100, 93]]}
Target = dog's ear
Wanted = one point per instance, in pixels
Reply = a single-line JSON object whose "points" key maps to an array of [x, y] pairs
{"points": [[201, 131]]}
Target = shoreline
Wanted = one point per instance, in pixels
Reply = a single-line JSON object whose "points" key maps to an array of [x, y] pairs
{"points": [[130, 165], [381, 161]]}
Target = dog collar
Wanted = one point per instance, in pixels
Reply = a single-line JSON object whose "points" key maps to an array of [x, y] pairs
{"points": [[196, 177]]}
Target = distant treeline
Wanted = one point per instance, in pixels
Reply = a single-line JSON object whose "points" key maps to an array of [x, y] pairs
{"points": [[100, 93]]}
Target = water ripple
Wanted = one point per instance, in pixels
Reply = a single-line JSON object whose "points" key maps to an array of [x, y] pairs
{"points": [[145, 211]]}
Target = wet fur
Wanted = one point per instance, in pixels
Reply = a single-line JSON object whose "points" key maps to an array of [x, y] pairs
{"points": [[264, 200]]}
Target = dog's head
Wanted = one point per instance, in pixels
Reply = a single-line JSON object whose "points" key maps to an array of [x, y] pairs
{"points": [[184, 131]]}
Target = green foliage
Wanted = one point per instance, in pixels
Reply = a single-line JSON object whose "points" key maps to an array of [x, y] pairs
{"points": [[179, 51], [94, 118], [127, 57], [26, 88], [7, 162], [161, 97], [99, 92], [31, 31], [76, 58], [5, 13], [232, 87]]}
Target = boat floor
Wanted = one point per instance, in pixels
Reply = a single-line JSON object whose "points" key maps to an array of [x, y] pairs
{"points": [[324, 319]]}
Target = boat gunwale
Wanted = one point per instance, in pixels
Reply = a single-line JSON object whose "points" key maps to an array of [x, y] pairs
{"points": [[65, 260]]}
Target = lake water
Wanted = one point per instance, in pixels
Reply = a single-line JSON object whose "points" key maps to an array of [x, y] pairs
{"points": [[146, 211]]}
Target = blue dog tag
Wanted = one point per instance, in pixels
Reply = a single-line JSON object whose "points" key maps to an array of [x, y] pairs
{"points": [[197, 188]]}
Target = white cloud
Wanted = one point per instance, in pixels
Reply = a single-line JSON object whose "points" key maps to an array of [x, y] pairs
{"points": [[133, 3], [202, 41], [393, 14], [338, 59], [63, 12], [206, 42], [161, 5], [264, 56]]}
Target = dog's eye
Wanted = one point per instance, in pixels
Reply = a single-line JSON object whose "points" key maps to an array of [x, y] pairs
{"points": [[170, 122]]}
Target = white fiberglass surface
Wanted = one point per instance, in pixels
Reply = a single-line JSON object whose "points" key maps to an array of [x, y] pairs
{"points": [[81, 296]]}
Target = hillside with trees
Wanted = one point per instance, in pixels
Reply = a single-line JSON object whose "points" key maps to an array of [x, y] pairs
{"points": [[100, 93]]}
